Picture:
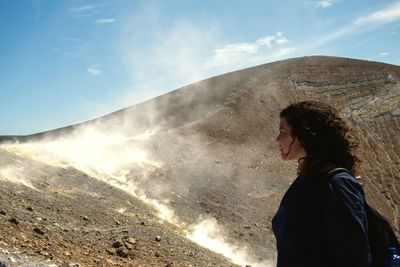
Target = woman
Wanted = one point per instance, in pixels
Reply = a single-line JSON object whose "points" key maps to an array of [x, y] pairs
{"points": [[335, 234]]}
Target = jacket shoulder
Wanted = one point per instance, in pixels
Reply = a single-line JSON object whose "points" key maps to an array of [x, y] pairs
{"points": [[345, 183]]}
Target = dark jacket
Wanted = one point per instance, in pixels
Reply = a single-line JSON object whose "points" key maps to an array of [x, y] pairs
{"points": [[333, 235]]}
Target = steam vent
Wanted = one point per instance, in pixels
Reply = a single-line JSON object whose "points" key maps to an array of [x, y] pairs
{"points": [[192, 177]]}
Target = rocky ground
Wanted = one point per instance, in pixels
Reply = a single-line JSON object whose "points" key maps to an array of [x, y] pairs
{"points": [[64, 220]]}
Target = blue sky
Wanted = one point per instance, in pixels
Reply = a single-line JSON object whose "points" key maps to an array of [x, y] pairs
{"points": [[67, 61]]}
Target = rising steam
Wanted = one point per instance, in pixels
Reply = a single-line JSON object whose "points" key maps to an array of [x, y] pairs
{"points": [[209, 234], [118, 160], [15, 175]]}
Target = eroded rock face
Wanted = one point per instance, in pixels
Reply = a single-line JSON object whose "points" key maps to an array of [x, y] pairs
{"points": [[207, 151]]}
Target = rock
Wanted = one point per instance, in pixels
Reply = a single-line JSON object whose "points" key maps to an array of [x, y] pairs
{"points": [[14, 221], [131, 240], [129, 246], [29, 208], [157, 254], [85, 218], [158, 238], [2, 212], [111, 251], [247, 227], [142, 223], [44, 253], [122, 252], [117, 244], [38, 230], [23, 237]]}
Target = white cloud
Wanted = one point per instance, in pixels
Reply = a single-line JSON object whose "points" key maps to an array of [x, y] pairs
{"points": [[265, 41], [232, 55], [235, 50], [82, 8], [324, 3], [386, 15], [383, 54], [364, 23], [277, 38], [86, 10], [104, 21], [282, 52], [282, 41], [93, 70], [245, 54]]}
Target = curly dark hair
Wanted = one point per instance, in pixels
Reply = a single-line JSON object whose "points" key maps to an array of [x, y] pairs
{"points": [[325, 137]]}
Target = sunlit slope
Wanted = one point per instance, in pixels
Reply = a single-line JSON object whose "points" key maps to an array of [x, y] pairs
{"points": [[52, 213], [208, 150]]}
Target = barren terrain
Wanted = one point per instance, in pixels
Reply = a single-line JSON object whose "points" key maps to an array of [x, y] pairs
{"points": [[192, 177]]}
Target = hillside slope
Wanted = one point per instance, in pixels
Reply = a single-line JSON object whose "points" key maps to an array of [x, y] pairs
{"points": [[207, 152]]}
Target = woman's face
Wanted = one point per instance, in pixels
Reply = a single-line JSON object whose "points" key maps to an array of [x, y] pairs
{"points": [[290, 147]]}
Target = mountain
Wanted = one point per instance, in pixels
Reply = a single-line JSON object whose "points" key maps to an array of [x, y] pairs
{"points": [[151, 184]]}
